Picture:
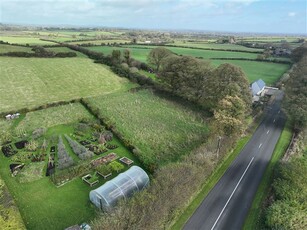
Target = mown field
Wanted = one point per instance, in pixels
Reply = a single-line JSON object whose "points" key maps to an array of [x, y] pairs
{"points": [[8, 48], [63, 114], [100, 41], [30, 82], [141, 52], [25, 40], [162, 130], [199, 44], [267, 71], [65, 49]]}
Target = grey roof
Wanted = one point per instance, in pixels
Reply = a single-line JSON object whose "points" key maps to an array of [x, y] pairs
{"points": [[257, 86]]}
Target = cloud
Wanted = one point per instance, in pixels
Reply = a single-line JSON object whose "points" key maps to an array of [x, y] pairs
{"points": [[292, 14]]}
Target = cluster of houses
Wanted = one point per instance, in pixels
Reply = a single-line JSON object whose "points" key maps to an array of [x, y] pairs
{"points": [[12, 116]]}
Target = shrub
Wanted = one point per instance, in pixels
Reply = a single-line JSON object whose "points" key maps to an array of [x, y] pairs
{"points": [[79, 150], [108, 136], [64, 160], [134, 70], [37, 133], [32, 145], [116, 166], [104, 169]]}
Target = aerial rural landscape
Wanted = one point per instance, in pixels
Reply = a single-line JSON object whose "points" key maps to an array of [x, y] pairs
{"points": [[153, 114]]}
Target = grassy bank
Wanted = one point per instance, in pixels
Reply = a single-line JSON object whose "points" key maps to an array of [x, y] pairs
{"points": [[209, 184]]}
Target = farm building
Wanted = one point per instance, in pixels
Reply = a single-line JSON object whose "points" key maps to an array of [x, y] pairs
{"points": [[123, 186], [257, 87]]}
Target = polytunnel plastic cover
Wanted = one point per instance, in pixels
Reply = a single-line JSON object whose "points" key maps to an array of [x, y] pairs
{"points": [[123, 186]]}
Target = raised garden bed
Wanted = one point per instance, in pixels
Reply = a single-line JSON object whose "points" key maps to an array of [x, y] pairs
{"points": [[111, 147], [15, 168], [91, 180], [8, 150], [104, 171], [103, 160], [126, 161], [21, 144]]}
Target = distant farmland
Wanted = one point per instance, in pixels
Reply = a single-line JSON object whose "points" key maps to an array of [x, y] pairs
{"points": [[29, 82], [140, 52], [25, 40], [269, 72]]}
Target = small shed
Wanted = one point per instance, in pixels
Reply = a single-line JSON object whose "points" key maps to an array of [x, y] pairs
{"points": [[123, 186], [8, 117]]}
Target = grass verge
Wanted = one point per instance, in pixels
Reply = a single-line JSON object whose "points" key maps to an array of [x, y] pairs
{"points": [[253, 220], [210, 182]]}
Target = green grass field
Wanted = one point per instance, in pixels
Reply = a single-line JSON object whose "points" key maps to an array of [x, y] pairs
{"points": [[142, 52], [213, 46], [65, 49], [98, 42], [161, 129], [8, 48], [269, 72], [30, 82], [54, 116], [25, 40]]}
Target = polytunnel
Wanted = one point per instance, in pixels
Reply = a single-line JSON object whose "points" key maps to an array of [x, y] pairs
{"points": [[123, 186]]}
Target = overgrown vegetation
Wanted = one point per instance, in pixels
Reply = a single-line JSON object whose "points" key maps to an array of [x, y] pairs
{"points": [[160, 129], [286, 205]]}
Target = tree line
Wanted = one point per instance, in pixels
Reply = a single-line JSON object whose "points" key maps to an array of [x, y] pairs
{"points": [[288, 202]]}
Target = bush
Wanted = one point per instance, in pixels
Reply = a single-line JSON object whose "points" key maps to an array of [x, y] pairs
{"points": [[79, 150], [64, 160], [32, 145], [116, 166], [37, 133]]}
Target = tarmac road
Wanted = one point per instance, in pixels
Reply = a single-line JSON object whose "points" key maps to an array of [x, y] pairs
{"points": [[228, 203]]}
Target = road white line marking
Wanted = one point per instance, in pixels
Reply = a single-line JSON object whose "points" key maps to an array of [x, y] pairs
{"points": [[232, 194], [274, 121], [260, 146], [278, 111], [268, 132]]}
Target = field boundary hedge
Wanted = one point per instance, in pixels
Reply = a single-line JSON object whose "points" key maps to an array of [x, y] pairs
{"points": [[40, 107]]}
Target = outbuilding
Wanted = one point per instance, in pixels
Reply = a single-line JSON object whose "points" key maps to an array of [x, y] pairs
{"points": [[123, 186]]}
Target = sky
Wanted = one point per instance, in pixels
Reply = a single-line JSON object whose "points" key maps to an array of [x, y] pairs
{"points": [[260, 16]]}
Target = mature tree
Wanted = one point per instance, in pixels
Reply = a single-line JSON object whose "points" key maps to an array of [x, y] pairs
{"points": [[228, 80], [127, 56], [229, 116], [157, 56], [299, 52], [116, 57], [296, 95], [186, 76]]}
